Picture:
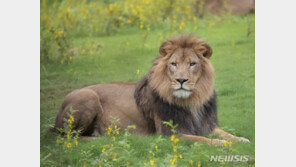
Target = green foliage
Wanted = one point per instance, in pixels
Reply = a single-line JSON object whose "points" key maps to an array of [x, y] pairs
{"points": [[171, 125], [67, 135]]}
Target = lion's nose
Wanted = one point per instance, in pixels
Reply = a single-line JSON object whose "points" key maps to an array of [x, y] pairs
{"points": [[181, 80]]}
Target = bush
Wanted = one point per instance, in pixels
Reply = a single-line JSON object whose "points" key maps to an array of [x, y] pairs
{"points": [[63, 19]]}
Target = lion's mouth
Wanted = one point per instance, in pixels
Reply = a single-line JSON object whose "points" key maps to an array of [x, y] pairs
{"points": [[182, 93], [182, 88]]}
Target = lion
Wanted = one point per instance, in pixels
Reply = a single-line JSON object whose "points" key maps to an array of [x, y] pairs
{"points": [[178, 87]]}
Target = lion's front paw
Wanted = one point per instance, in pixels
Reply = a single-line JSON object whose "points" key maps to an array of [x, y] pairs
{"points": [[217, 142], [242, 139]]}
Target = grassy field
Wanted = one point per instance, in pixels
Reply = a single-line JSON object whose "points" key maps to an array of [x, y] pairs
{"points": [[117, 57]]}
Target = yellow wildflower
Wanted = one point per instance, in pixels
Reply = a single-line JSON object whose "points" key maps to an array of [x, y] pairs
{"points": [[111, 145], [71, 118], [138, 71], [174, 148], [82, 51], [176, 140], [225, 143], [76, 141], [148, 2], [115, 127], [173, 160], [111, 7], [113, 138], [69, 145], [156, 148], [145, 163], [70, 121], [229, 143], [68, 134], [180, 156], [117, 132], [191, 162], [114, 156], [129, 21], [109, 131], [58, 141], [151, 162], [198, 165], [103, 150], [173, 137]]}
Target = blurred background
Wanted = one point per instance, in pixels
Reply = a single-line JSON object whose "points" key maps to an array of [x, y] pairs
{"points": [[63, 20]]}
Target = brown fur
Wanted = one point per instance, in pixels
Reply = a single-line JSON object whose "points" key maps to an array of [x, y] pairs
{"points": [[152, 100]]}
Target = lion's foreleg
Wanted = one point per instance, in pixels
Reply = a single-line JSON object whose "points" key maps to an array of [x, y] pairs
{"points": [[215, 142], [228, 136]]}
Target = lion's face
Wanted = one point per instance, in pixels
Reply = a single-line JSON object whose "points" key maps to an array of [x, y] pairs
{"points": [[182, 73], [184, 69]]}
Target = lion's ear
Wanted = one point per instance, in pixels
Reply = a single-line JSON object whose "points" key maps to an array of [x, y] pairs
{"points": [[166, 48], [204, 49]]}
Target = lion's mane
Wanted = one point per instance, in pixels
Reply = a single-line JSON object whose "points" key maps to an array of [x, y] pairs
{"points": [[194, 115]]}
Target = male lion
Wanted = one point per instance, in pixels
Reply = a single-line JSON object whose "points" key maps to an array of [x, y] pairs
{"points": [[179, 87]]}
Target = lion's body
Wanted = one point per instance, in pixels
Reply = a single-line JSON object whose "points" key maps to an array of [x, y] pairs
{"points": [[96, 105], [179, 87]]}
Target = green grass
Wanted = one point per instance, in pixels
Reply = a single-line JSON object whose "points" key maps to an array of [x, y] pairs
{"points": [[234, 63]]}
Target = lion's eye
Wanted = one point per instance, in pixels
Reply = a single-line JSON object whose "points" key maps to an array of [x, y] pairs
{"points": [[192, 64], [174, 64]]}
